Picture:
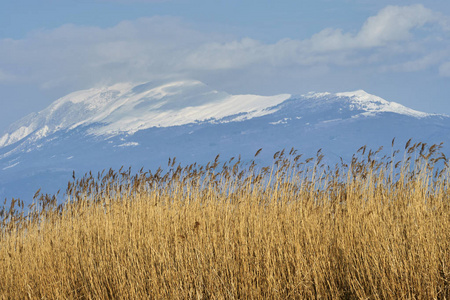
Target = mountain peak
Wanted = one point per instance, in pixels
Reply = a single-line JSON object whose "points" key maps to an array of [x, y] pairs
{"points": [[362, 96], [368, 103], [374, 104]]}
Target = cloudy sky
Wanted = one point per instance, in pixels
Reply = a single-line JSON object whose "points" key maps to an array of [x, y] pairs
{"points": [[399, 50]]}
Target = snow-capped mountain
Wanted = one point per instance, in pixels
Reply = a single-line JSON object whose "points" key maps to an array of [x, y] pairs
{"points": [[143, 125], [125, 108]]}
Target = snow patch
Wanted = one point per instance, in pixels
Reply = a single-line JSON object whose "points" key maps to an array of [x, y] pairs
{"points": [[129, 144], [248, 106], [3, 140], [41, 133], [17, 135], [282, 121], [373, 104], [11, 166], [331, 121], [315, 95]]}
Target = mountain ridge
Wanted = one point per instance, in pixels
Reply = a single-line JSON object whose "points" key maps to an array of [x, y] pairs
{"points": [[111, 106]]}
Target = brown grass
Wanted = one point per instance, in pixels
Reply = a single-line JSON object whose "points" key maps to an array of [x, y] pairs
{"points": [[373, 229]]}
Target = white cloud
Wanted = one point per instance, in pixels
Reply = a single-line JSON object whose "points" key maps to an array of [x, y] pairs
{"points": [[392, 24], [158, 47], [131, 50], [422, 63]]}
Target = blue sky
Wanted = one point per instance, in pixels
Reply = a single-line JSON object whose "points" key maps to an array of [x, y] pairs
{"points": [[399, 50]]}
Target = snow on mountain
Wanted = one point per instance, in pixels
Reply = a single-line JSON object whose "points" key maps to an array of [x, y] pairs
{"points": [[142, 125], [126, 108], [369, 104]]}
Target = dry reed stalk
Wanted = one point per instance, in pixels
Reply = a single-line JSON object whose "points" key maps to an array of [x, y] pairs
{"points": [[376, 228]]}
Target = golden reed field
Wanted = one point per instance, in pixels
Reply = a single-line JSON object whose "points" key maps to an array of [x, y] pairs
{"points": [[374, 228]]}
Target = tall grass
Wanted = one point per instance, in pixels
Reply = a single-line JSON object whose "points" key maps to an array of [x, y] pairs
{"points": [[375, 228]]}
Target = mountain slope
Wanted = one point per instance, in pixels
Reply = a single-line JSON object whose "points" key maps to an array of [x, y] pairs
{"points": [[143, 125], [124, 108]]}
